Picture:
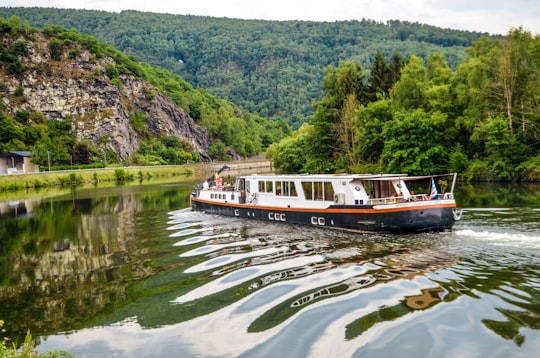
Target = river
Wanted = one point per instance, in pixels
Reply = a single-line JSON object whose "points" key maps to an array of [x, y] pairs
{"points": [[130, 271]]}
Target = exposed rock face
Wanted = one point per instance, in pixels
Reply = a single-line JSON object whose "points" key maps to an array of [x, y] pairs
{"points": [[80, 90]]}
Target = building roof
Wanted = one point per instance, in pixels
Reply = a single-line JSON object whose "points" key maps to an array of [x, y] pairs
{"points": [[21, 153]]}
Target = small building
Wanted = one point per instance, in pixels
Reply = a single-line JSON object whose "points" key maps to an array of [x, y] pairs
{"points": [[18, 162]]}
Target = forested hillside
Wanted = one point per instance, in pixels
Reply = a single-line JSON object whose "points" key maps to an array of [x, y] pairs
{"points": [[482, 120], [272, 68], [71, 100], [366, 97]]}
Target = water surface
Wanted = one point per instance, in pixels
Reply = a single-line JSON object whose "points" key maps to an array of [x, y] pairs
{"points": [[129, 271]]}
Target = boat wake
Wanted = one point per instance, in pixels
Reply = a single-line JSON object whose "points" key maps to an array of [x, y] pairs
{"points": [[513, 239]]}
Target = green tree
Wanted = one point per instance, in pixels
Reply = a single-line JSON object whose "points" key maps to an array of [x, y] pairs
{"points": [[371, 120], [345, 133], [412, 145], [15, 24], [437, 92], [217, 150], [409, 92], [458, 161], [290, 155], [503, 151], [395, 67], [468, 92], [516, 77], [341, 86], [380, 78], [10, 135], [438, 71]]}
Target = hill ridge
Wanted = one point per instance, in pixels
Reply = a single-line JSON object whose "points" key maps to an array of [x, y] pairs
{"points": [[272, 68]]}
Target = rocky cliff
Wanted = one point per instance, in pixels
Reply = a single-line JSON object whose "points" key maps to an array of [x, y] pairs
{"points": [[77, 87]]}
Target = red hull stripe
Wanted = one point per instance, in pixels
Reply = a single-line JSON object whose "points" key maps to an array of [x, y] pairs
{"points": [[328, 210]]}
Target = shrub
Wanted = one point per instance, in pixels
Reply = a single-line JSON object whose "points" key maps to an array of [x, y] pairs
{"points": [[55, 49], [477, 171], [111, 71], [138, 121], [73, 53], [22, 116], [122, 175], [27, 350], [19, 91], [20, 48]]}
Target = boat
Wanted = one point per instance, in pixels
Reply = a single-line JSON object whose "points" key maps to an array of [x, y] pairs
{"points": [[384, 203]]}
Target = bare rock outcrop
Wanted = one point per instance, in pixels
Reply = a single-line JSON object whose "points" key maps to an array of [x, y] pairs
{"points": [[100, 110]]}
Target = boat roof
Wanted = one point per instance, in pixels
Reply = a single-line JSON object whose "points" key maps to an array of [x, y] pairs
{"points": [[372, 177]]}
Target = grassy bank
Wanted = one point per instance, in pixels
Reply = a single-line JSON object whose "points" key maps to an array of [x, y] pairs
{"points": [[120, 174], [71, 177]]}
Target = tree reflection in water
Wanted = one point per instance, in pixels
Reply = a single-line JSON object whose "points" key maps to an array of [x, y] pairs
{"points": [[117, 256]]}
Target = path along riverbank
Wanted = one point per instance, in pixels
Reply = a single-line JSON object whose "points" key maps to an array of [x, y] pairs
{"points": [[111, 174]]}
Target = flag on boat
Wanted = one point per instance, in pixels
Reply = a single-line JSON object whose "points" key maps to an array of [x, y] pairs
{"points": [[434, 192]]}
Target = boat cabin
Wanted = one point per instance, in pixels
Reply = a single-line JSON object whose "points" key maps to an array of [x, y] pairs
{"points": [[313, 191]]}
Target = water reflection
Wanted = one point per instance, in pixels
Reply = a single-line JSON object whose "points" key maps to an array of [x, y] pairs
{"points": [[72, 258], [18, 208], [123, 275]]}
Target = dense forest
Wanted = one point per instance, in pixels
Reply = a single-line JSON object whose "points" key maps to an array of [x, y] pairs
{"points": [[363, 96], [271, 68], [482, 120], [230, 128]]}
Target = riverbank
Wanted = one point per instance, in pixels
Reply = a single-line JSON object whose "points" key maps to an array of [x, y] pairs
{"points": [[119, 174]]}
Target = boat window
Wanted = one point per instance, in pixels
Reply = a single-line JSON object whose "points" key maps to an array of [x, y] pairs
{"points": [[368, 186], [318, 190], [240, 183], [266, 186], [307, 186], [328, 191], [380, 189], [278, 188], [292, 188], [318, 193], [286, 188]]}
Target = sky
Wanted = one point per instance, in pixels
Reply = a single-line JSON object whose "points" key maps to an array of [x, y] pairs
{"points": [[492, 16]]}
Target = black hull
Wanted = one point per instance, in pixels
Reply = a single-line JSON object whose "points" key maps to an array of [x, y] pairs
{"points": [[357, 218]]}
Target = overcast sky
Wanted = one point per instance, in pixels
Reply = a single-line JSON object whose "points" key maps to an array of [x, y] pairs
{"points": [[493, 16]]}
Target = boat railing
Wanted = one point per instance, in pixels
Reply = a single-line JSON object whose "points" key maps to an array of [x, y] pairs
{"points": [[388, 200], [415, 197]]}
